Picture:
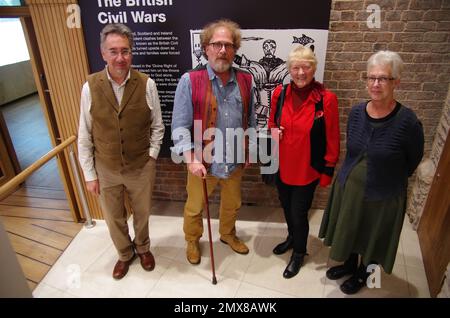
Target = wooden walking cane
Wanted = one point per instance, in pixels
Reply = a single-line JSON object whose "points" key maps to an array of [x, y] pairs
{"points": [[205, 193]]}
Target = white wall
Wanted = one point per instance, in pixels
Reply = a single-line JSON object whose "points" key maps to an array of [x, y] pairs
{"points": [[16, 81], [12, 280]]}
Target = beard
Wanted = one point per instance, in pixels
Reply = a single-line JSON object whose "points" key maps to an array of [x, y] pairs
{"points": [[221, 66]]}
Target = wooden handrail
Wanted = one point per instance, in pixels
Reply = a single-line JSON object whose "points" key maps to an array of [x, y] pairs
{"points": [[12, 184], [14, 12]]}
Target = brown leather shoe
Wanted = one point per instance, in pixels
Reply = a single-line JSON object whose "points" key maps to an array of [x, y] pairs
{"points": [[121, 268], [236, 244], [147, 261], [193, 252]]}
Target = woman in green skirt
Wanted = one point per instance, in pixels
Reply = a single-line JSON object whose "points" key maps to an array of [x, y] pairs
{"points": [[366, 207]]}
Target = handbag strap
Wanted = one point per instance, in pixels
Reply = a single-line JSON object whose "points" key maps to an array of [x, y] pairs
{"points": [[280, 103], [319, 106]]}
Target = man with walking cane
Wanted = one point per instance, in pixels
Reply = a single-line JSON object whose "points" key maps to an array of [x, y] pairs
{"points": [[212, 105]]}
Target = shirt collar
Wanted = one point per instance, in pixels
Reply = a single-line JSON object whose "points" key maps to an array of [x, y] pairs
{"points": [[111, 80]]}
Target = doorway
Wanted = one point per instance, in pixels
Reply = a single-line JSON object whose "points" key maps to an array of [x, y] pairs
{"points": [[21, 108], [38, 217], [29, 135]]}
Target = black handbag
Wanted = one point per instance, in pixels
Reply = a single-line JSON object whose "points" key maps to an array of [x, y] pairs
{"points": [[272, 178]]}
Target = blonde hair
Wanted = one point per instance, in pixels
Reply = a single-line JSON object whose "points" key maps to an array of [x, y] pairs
{"points": [[387, 58], [301, 53]]}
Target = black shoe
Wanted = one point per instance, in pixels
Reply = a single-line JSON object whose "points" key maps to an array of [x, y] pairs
{"points": [[294, 265], [353, 284], [339, 271], [349, 267], [284, 246]]}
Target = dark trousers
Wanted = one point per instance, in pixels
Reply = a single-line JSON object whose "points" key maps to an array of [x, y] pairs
{"points": [[296, 202]]}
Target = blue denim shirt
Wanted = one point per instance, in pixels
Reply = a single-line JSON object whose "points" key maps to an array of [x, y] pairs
{"points": [[229, 115]]}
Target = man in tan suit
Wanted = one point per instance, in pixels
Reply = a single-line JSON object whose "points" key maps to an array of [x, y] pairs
{"points": [[120, 134]]}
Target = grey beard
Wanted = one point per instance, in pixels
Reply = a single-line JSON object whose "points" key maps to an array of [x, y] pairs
{"points": [[221, 66]]}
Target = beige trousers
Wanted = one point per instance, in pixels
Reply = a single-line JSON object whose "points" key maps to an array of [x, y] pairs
{"points": [[230, 202], [138, 185]]}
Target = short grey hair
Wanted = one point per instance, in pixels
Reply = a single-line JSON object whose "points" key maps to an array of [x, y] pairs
{"points": [[387, 58], [116, 28]]}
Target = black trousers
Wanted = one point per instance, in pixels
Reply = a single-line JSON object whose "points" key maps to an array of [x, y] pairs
{"points": [[296, 202]]}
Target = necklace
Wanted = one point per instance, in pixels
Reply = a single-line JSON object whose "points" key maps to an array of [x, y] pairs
{"points": [[380, 112]]}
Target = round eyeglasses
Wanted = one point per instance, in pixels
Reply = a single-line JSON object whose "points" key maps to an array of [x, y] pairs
{"points": [[217, 46]]}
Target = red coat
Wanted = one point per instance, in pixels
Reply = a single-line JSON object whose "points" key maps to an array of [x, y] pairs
{"points": [[295, 167]]}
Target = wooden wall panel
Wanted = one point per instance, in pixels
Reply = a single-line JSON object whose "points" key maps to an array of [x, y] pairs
{"points": [[65, 63]]}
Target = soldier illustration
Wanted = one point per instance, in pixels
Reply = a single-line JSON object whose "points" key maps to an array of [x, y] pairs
{"points": [[267, 73]]}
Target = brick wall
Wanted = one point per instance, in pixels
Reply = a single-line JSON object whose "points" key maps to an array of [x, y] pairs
{"points": [[419, 30]]}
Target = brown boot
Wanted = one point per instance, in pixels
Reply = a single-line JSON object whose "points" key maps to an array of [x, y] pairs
{"points": [[236, 244], [193, 252]]}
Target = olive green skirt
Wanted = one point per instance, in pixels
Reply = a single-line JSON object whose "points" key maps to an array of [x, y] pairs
{"points": [[370, 228]]}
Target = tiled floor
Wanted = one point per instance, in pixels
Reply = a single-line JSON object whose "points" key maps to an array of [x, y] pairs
{"points": [[84, 270]]}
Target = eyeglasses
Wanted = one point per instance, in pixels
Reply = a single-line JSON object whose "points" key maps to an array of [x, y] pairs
{"points": [[124, 53], [217, 46], [382, 79]]}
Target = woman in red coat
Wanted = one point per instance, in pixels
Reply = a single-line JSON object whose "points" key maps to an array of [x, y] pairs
{"points": [[308, 134]]}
